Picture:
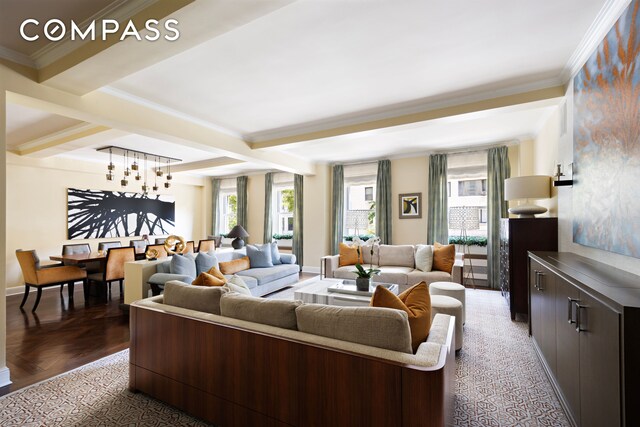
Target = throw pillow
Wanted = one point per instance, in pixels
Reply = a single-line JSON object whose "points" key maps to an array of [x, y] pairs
{"points": [[444, 256], [259, 256], [349, 255], [204, 261], [184, 265], [424, 257], [416, 302], [232, 267], [206, 279], [199, 298], [274, 312], [236, 284], [216, 273], [275, 254]]}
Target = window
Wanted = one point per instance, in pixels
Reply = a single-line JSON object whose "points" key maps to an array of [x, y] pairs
{"points": [[472, 187], [360, 199], [467, 190], [368, 194], [283, 213], [228, 211]]}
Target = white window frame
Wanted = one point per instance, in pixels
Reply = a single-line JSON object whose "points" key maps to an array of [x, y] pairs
{"points": [[223, 209], [280, 217]]}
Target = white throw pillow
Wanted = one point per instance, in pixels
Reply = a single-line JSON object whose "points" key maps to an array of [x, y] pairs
{"points": [[424, 257], [236, 284]]}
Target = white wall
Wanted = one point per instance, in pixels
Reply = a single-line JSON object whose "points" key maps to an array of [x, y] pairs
{"points": [[37, 206]]}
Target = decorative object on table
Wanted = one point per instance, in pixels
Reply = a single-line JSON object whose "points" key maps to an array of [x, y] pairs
{"points": [[96, 214], [349, 287], [410, 205], [238, 234], [151, 254], [527, 188], [175, 245], [606, 153], [365, 277], [139, 157]]}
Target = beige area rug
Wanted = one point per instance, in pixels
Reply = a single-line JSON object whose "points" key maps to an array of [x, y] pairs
{"points": [[500, 382]]}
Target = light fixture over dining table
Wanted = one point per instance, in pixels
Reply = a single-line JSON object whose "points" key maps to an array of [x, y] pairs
{"points": [[134, 160]]}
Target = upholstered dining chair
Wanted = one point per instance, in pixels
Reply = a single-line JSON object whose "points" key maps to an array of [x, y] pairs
{"points": [[103, 246], [191, 246], [206, 245], [81, 248], [114, 267], [162, 252], [41, 277], [160, 240]]}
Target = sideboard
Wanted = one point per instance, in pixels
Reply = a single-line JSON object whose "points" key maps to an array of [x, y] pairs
{"points": [[585, 326]]}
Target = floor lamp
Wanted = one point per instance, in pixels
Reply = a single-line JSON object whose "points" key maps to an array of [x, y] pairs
{"points": [[466, 218]]}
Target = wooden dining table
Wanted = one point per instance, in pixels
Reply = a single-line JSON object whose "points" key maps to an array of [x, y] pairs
{"points": [[87, 257]]}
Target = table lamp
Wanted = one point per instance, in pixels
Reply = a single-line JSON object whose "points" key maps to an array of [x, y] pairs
{"points": [[527, 188], [238, 233]]}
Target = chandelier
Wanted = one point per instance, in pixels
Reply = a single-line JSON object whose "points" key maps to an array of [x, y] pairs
{"points": [[139, 161]]}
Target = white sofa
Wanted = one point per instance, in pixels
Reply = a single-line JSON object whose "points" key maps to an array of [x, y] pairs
{"points": [[397, 265]]}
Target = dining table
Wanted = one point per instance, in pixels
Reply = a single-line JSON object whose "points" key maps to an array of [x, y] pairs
{"points": [[79, 259]]}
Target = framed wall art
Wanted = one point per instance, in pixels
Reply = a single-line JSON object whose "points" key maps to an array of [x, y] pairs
{"points": [[410, 205]]}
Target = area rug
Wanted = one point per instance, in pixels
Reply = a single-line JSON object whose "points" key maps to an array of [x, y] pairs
{"points": [[499, 382]]}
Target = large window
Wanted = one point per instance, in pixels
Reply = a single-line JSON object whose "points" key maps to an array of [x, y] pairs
{"points": [[467, 188], [283, 212], [360, 199], [227, 206]]}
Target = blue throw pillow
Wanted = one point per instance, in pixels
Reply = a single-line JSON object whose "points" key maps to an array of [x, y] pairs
{"points": [[275, 254], [259, 256], [204, 262], [183, 264]]}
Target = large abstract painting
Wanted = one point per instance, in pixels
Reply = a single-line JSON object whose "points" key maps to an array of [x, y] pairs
{"points": [[94, 214], [606, 202]]}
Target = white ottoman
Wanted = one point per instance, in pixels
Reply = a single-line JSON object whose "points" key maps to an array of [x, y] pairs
{"points": [[453, 290], [451, 306]]}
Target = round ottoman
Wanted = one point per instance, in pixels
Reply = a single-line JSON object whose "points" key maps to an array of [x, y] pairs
{"points": [[451, 306], [450, 289]]}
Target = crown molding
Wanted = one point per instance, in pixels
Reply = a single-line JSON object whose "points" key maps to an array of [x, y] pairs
{"points": [[604, 21], [17, 57], [120, 10]]}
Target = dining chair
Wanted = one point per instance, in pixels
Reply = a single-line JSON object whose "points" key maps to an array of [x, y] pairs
{"points": [[190, 246], [206, 245], [103, 246], [81, 248], [114, 267], [217, 239], [162, 252], [138, 244], [160, 240], [41, 276]]}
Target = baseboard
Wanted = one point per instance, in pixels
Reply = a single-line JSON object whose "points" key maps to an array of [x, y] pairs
{"points": [[315, 270], [19, 290], [4, 377]]}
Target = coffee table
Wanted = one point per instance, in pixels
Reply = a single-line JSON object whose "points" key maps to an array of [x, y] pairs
{"points": [[317, 292]]}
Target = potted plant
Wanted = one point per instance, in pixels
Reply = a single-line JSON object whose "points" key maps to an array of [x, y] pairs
{"points": [[365, 277]]}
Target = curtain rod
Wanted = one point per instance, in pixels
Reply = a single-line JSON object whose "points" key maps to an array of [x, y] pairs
{"points": [[477, 148]]}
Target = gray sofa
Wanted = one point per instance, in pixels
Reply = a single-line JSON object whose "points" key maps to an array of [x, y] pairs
{"points": [[260, 281], [397, 265]]}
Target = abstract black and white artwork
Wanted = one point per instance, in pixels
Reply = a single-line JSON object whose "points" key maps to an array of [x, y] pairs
{"points": [[95, 214]]}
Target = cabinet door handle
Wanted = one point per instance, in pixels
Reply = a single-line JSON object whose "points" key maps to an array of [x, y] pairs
{"points": [[536, 282], [569, 313], [578, 307], [540, 275]]}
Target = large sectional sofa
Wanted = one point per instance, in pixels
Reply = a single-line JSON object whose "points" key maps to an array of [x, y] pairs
{"points": [[397, 265], [235, 360], [260, 281]]}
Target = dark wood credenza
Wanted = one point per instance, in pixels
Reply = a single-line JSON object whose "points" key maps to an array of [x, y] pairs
{"points": [[517, 236], [585, 326]]}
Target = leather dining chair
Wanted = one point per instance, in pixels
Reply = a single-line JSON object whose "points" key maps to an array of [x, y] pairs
{"points": [[81, 248], [114, 267], [206, 245], [162, 252], [103, 246], [41, 277]]}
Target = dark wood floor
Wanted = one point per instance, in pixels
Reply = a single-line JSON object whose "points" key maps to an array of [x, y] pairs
{"points": [[61, 336]]}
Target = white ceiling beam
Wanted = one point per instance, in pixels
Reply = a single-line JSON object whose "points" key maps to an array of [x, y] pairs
{"points": [[205, 164], [110, 111], [51, 144]]}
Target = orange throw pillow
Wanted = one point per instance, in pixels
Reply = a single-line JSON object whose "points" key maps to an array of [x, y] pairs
{"points": [[416, 302], [444, 256], [349, 255], [232, 267], [216, 273], [206, 279]]}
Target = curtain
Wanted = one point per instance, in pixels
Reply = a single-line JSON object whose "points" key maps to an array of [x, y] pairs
{"points": [[268, 218], [215, 195], [383, 202], [498, 169], [298, 211], [438, 200], [241, 189], [337, 204]]}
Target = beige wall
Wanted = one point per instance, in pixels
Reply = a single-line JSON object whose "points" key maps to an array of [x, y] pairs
{"points": [[545, 157], [317, 217], [409, 175], [4, 371], [37, 206], [255, 208]]}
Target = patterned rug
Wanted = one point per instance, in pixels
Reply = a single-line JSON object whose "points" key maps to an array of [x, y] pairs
{"points": [[500, 382]]}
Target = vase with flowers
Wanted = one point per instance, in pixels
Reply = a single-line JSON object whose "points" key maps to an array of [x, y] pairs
{"points": [[364, 277]]}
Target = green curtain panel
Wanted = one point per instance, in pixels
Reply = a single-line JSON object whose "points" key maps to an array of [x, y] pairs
{"points": [[498, 169], [337, 204], [268, 219], [215, 195], [438, 200], [298, 211], [383, 202], [241, 189]]}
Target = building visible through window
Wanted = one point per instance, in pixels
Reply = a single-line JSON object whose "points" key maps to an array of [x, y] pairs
{"points": [[360, 199]]}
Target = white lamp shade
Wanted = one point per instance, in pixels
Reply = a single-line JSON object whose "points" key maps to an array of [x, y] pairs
{"points": [[527, 187]]}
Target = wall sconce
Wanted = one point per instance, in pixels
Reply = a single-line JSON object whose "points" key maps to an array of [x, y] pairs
{"points": [[558, 181]]}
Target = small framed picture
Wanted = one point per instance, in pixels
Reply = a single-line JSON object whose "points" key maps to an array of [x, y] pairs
{"points": [[410, 205]]}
